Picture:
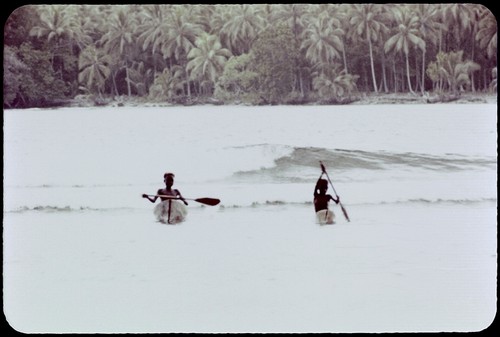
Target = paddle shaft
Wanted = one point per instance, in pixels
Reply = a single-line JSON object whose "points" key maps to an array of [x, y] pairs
{"points": [[206, 201], [334, 191]]}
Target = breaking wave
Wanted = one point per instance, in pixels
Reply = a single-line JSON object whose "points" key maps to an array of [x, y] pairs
{"points": [[273, 175], [306, 159], [291, 164]]}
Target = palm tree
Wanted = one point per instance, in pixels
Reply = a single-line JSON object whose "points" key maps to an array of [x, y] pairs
{"points": [[219, 17], [367, 23], [334, 84], [322, 40], [56, 24], [166, 84], [460, 20], [180, 37], [243, 27], [487, 34], [493, 84], [340, 13], [119, 38], [406, 34], [486, 37], [461, 71], [429, 28], [181, 33], [463, 20], [453, 69], [85, 24], [208, 58], [153, 27], [294, 15], [94, 69], [152, 31]]}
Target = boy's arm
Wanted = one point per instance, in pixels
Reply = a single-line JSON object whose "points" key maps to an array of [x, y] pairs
{"points": [[180, 197], [149, 198], [336, 200], [316, 187], [153, 200]]}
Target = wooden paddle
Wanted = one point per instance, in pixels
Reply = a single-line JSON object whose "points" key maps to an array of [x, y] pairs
{"points": [[205, 201], [341, 206]]}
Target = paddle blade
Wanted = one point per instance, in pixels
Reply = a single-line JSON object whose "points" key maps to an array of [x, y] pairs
{"points": [[208, 201], [345, 212]]}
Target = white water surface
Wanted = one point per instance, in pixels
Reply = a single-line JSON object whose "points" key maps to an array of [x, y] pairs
{"points": [[83, 253]]}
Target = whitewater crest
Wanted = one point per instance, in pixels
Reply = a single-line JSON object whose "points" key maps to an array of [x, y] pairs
{"points": [[290, 163]]}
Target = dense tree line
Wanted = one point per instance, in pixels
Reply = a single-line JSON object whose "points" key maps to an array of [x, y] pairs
{"points": [[258, 54]]}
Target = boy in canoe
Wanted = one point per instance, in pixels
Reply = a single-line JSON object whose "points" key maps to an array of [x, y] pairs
{"points": [[168, 178], [323, 213], [169, 210]]}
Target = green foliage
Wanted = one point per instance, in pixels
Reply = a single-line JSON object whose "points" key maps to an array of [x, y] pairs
{"points": [[140, 78], [207, 59], [487, 34], [238, 82], [334, 85], [452, 69], [273, 60], [166, 86], [31, 80], [19, 24], [94, 68], [170, 52], [13, 75], [323, 43], [493, 84]]}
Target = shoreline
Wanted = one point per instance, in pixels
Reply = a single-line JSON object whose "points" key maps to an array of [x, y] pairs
{"points": [[83, 101], [364, 99], [391, 98]]}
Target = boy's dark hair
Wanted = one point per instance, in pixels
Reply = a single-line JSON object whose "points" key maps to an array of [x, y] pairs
{"points": [[169, 174], [322, 183]]}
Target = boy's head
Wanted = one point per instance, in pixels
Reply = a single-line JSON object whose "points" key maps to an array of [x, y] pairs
{"points": [[169, 178], [323, 185]]}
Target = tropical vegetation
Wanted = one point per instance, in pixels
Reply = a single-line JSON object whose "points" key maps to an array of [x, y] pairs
{"points": [[253, 54]]}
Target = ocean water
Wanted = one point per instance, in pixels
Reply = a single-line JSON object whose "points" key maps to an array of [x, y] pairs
{"points": [[83, 253], [105, 158]]}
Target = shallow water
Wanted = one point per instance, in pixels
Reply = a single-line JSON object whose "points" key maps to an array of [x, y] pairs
{"points": [[83, 253], [249, 154]]}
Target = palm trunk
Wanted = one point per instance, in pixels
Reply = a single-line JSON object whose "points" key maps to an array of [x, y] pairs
{"points": [[384, 77], [345, 58], [417, 73], [115, 88], [423, 72], [187, 83], [440, 39], [128, 81], [472, 58], [395, 76], [301, 83], [408, 73], [372, 65]]}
